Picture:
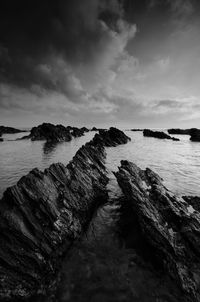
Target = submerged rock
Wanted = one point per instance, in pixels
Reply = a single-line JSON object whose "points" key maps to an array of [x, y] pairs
{"points": [[158, 134], [111, 138], [42, 215], [179, 131], [195, 135], [167, 226]]}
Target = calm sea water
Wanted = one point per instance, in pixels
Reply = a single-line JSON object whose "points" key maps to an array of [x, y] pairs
{"points": [[177, 162]]}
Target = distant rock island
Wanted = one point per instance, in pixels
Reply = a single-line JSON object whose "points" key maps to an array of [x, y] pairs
{"points": [[158, 134], [9, 130], [54, 133], [193, 132], [179, 131]]}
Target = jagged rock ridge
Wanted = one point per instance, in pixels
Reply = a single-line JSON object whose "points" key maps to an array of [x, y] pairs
{"points": [[168, 226], [42, 215]]}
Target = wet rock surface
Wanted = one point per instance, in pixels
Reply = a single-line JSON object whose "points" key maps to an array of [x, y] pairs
{"points": [[111, 138], [44, 214], [158, 134], [166, 228]]}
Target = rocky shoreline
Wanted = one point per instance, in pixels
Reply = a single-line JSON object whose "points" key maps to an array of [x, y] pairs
{"points": [[46, 213]]}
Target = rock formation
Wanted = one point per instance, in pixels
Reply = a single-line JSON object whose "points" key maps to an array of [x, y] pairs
{"points": [[195, 135], [9, 130], [179, 131], [168, 227], [135, 129], [54, 133], [44, 213], [158, 134], [111, 138]]}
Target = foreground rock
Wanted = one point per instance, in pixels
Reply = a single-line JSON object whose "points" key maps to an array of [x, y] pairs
{"points": [[195, 135], [42, 216], [9, 130], [179, 131], [167, 227], [158, 134], [111, 138]]}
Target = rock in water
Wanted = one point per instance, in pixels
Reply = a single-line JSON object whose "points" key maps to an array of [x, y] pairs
{"points": [[45, 213], [168, 226], [158, 134], [111, 138], [195, 135], [50, 133], [42, 215], [179, 131], [9, 130]]}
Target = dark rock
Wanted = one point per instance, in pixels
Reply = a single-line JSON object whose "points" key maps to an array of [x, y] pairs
{"points": [[111, 138], [167, 226], [194, 201], [195, 135], [42, 216], [179, 131], [1, 139], [84, 129], [9, 130], [137, 129], [76, 132], [50, 133], [158, 134], [94, 129]]}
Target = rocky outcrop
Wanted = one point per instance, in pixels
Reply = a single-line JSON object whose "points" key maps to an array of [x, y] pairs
{"points": [[50, 133], [76, 132], [168, 227], [44, 213], [9, 130], [179, 131], [195, 135], [54, 133], [111, 138], [158, 134]]}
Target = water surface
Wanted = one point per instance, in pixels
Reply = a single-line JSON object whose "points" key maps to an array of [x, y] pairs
{"points": [[177, 162]]}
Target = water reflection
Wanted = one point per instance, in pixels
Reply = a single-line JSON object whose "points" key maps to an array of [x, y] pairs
{"points": [[50, 147]]}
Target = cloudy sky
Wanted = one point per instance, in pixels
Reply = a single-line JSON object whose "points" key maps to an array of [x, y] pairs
{"points": [[100, 62]]}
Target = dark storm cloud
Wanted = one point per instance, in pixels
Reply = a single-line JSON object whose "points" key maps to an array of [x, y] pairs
{"points": [[34, 33]]}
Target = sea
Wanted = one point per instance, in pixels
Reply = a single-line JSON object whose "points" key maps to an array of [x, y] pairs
{"points": [[177, 162]]}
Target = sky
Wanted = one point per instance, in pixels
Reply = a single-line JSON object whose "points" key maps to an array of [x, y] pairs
{"points": [[101, 63]]}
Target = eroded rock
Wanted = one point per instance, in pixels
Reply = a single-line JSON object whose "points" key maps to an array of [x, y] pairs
{"points": [[42, 215], [168, 227], [158, 134], [111, 138]]}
